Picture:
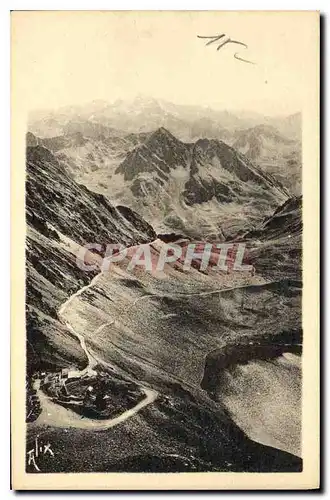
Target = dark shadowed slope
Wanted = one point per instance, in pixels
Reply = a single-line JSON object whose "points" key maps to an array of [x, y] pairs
{"points": [[59, 213], [276, 244]]}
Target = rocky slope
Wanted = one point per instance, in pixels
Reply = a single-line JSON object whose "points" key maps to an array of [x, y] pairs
{"points": [[61, 213], [89, 152], [275, 246], [160, 329], [205, 189], [198, 338], [158, 332]]}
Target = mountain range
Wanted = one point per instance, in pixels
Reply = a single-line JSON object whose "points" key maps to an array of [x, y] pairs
{"points": [[205, 189], [274, 143], [145, 113]]}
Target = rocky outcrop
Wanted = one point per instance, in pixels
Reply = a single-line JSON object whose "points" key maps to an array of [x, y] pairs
{"points": [[165, 179], [201, 188], [160, 153]]}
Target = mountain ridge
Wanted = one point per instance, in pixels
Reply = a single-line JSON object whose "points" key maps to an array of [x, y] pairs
{"points": [[181, 175]]}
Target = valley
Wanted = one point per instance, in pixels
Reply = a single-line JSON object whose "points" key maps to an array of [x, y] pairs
{"points": [[172, 369]]}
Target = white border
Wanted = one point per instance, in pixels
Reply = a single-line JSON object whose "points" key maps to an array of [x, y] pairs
{"points": [[5, 7]]}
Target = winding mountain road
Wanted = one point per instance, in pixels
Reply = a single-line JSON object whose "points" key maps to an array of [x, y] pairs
{"points": [[56, 415]]}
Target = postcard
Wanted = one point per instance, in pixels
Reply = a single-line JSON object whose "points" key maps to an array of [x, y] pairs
{"points": [[165, 242]]}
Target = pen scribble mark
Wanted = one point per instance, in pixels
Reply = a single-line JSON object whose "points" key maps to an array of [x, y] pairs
{"points": [[216, 38]]}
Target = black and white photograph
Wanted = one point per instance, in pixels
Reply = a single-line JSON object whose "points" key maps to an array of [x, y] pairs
{"points": [[163, 244]]}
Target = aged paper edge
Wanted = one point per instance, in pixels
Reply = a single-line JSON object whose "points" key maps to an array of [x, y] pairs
{"points": [[309, 477]]}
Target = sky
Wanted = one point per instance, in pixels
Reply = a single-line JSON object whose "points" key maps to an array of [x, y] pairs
{"points": [[68, 58]]}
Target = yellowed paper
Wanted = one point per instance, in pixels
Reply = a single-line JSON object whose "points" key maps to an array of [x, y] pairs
{"points": [[165, 180]]}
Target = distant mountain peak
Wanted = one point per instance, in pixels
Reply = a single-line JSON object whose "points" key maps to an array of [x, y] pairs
{"points": [[161, 152], [161, 132]]}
